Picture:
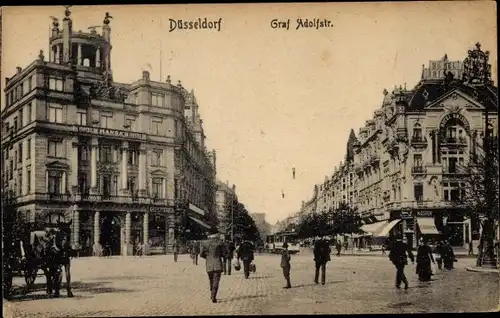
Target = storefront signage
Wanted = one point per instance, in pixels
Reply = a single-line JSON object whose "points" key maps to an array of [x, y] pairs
{"points": [[424, 214], [109, 132], [159, 209], [405, 214]]}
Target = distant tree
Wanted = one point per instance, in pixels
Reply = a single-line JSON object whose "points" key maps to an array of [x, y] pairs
{"points": [[314, 224], [480, 193], [345, 220], [236, 215]]}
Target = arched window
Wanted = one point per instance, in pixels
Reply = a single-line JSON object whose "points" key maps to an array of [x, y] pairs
{"points": [[54, 218], [417, 132]]}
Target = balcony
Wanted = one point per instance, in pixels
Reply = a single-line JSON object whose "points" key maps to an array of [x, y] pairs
{"points": [[419, 142], [374, 159], [418, 170], [358, 168], [455, 141]]}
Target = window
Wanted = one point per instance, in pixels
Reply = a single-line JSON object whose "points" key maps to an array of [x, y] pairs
{"points": [[55, 148], [157, 188], [417, 160], [135, 99], [15, 124], [56, 84], [22, 89], [452, 161], [418, 191], [20, 184], [114, 186], [106, 186], [105, 154], [20, 152], [417, 132], [28, 181], [82, 184], [156, 157], [15, 158], [133, 155], [106, 120], [454, 191], [28, 148], [28, 113], [55, 114], [156, 99], [156, 125], [55, 182], [21, 119], [129, 122], [82, 118], [33, 82], [131, 185], [83, 154]]}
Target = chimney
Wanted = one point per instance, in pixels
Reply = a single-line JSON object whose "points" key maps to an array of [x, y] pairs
{"points": [[145, 75], [168, 80], [19, 69]]}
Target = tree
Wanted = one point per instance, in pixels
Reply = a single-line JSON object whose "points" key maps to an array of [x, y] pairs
{"points": [[238, 220], [480, 194], [345, 220], [315, 224]]}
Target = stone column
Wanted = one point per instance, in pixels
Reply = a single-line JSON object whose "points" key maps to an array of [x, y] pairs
{"points": [[124, 166], [76, 227], [142, 171], [98, 57], [93, 167], [79, 56], [58, 54], [145, 235], [64, 182], [128, 226], [74, 166], [97, 228]]}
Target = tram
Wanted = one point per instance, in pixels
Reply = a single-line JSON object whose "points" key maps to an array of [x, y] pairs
{"points": [[274, 242]]}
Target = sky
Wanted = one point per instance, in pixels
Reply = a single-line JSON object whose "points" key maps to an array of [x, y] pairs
{"points": [[272, 99]]}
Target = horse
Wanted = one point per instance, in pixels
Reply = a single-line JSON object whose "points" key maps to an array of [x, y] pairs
{"points": [[50, 250]]}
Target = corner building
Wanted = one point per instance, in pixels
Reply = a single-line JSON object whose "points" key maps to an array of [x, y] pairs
{"points": [[126, 163], [408, 157]]}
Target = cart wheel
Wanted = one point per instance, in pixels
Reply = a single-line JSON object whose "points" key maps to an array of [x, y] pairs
{"points": [[30, 277]]}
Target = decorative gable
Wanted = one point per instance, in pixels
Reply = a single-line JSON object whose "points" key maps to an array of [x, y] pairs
{"points": [[59, 165], [158, 173], [455, 101]]}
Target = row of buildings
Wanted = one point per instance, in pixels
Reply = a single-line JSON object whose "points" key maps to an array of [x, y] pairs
{"points": [[126, 162], [402, 170]]}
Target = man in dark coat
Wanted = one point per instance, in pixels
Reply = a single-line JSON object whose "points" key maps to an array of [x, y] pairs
{"points": [[246, 254], [229, 249], [175, 248], [212, 251], [321, 257], [195, 250], [398, 257]]}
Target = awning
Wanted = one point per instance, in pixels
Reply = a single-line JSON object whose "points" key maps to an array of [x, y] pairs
{"points": [[196, 209], [387, 228], [200, 222], [373, 228], [427, 226]]}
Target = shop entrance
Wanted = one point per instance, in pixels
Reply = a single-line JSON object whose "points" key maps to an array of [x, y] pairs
{"points": [[110, 237]]}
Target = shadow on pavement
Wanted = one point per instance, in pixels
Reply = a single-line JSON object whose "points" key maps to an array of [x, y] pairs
{"points": [[18, 294], [260, 277], [314, 284], [240, 298], [123, 278]]}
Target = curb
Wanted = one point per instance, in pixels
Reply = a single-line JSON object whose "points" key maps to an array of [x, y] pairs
{"points": [[482, 270]]}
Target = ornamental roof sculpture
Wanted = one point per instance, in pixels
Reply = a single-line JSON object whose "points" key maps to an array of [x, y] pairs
{"points": [[477, 71]]}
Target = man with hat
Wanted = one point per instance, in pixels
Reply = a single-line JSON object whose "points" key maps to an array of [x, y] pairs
{"points": [[322, 252], [212, 250], [246, 254]]}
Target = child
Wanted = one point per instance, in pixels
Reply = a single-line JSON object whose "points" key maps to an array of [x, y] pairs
{"points": [[285, 264]]}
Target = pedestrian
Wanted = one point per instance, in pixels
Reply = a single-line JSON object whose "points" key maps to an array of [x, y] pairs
{"points": [[346, 245], [448, 256], [195, 251], [321, 257], [246, 254], [398, 257], [471, 249], [229, 249], [139, 249], [285, 264], [175, 248], [338, 247], [439, 252], [424, 259], [212, 250], [383, 249]]}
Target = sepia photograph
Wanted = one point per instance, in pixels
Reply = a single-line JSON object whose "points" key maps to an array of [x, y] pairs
{"points": [[249, 159]]}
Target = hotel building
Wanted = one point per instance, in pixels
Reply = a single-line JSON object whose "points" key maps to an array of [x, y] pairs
{"points": [[126, 163]]}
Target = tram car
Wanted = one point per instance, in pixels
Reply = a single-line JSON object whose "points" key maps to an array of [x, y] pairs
{"points": [[274, 242]]}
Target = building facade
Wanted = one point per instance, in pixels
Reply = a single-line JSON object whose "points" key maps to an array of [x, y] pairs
{"points": [[225, 198], [125, 162], [402, 171]]}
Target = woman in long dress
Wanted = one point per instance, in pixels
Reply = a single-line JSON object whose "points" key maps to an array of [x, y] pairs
{"points": [[424, 259]]}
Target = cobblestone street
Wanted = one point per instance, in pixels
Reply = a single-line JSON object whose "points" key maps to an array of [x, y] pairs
{"points": [[156, 285]]}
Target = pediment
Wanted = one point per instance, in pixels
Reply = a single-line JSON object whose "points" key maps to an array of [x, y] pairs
{"points": [[158, 172], [455, 101], [57, 165]]}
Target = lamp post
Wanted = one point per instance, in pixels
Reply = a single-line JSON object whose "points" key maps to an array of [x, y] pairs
{"points": [[232, 218]]}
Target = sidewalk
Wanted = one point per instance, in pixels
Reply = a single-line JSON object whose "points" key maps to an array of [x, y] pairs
{"points": [[483, 270], [355, 252]]}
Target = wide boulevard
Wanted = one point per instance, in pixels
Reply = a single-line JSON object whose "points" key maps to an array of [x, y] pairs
{"points": [[155, 285]]}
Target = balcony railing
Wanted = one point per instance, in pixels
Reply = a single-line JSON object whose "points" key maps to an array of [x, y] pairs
{"points": [[419, 141], [455, 141], [374, 159], [418, 170]]}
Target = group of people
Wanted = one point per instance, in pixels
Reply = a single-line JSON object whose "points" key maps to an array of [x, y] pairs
{"points": [[400, 251]]}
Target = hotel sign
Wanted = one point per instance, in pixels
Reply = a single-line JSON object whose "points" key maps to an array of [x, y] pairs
{"points": [[424, 213], [109, 132], [159, 209]]}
